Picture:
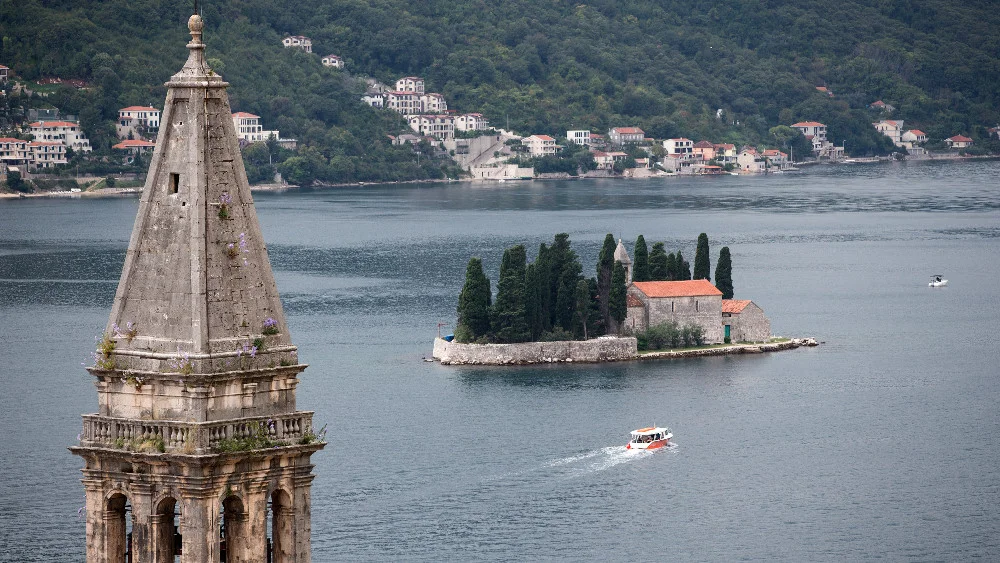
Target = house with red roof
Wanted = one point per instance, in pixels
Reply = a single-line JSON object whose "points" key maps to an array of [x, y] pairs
{"points": [[703, 150], [626, 135], [65, 132], [958, 142], [540, 145], [744, 321], [134, 146], [137, 120], [892, 128], [882, 106], [914, 136], [688, 302]]}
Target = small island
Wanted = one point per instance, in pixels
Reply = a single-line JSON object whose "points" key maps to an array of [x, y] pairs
{"points": [[654, 307]]}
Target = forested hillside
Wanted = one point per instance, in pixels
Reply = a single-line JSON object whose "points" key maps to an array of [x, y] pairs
{"points": [[543, 66]]}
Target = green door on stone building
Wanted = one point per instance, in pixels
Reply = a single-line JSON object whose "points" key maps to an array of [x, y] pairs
{"points": [[727, 331]]}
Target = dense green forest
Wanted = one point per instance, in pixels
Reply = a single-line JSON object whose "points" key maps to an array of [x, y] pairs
{"points": [[544, 67]]}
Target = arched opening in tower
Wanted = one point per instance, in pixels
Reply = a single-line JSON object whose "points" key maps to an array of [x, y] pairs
{"points": [[233, 545], [166, 536], [118, 529], [280, 516]]}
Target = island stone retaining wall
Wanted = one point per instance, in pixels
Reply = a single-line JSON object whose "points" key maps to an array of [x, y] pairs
{"points": [[596, 350]]}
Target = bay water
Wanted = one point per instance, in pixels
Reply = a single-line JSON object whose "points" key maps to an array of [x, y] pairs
{"points": [[883, 442]]}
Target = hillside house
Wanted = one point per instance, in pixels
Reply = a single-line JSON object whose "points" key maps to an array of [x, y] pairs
{"points": [[134, 146], [814, 131], [249, 129], [4, 73], [579, 137], [891, 128], [825, 91], [137, 120], [65, 132], [406, 103], [690, 302], [299, 42], [471, 122], [14, 152], [751, 162], [620, 136], [410, 84], [332, 61], [374, 99], [913, 136], [703, 151], [882, 107], [958, 142], [433, 103], [744, 321], [540, 145], [440, 127], [993, 132], [679, 148]]}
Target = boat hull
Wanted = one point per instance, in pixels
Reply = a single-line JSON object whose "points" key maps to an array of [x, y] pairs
{"points": [[648, 445], [941, 283]]}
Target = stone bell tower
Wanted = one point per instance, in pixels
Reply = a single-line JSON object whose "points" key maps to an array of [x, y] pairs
{"points": [[197, 451]]}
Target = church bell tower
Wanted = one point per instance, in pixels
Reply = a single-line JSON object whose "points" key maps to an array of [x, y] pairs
{"points": [[197, 452]]}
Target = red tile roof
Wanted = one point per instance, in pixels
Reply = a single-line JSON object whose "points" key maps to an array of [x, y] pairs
{"points": [[133, 143], [960, 139], [44, 143], [687, 288], [918, 132], [632, 301], [808, 124], [245, 114], [704, 145], [734, 305], [11, 140], [138, 108], [629, 131], [543, 137], [54, 124]]}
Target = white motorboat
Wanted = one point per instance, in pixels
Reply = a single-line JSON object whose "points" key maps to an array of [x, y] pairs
{"points": [[937, 281], [650, 438]]}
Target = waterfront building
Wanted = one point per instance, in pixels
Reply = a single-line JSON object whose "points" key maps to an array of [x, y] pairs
{"points": [[198, 450], [65, 132], [744, 321], [689, 302], [46, 154], [892, 128], [958, 142], [626, 135], [540, 145]]}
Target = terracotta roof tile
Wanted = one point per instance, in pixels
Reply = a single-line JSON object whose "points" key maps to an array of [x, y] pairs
{"points": [[245, 114], [687, 288], [138, 108], [734, 305]]}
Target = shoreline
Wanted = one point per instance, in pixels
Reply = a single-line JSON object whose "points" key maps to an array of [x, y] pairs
{"points": [[123, 192]]}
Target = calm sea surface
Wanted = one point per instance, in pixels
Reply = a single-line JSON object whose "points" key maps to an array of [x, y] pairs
{"points": [[884, 442]]}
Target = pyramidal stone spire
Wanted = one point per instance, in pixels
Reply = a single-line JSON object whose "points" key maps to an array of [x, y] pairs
{"points": [[197, 438]]}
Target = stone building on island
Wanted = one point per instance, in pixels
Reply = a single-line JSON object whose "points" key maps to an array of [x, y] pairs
{"points": [[198, 450], [744, 321], [690, 302]]}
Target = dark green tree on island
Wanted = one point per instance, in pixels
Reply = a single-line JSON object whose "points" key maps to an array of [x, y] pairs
{"points": [[617, 302], [605, 266], [640, 266], [474, 304], [724, 273], [509, 316], [658, 262], [702, 264]]}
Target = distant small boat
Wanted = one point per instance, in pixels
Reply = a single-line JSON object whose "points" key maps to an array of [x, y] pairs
{"points": [[937, 281], [649, 438]]}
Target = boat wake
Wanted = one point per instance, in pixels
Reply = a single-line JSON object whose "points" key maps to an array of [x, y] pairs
{"points": [[599, 460]]}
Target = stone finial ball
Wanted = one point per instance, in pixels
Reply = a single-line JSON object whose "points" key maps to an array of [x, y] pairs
{"points": [[195, 24]]}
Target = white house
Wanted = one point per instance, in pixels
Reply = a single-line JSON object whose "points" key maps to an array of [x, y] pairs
{"points": [[410, 84], [433, 103], [914, 136], [406, 103], [750, 162], [249, 129], [298, 41], [45, 154], [14, 152], [132, 118], [681, 147], [814, 131], [374, 99], [4, 73], [607, 160], [891, 128], [626, 135], [441, 127], [65, 132], [579, 137], [471, 122], [540, 145], [776, 157], [333, 61], [958, 142]]}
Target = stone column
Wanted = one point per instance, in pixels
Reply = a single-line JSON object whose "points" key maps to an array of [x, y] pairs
{"points": [[96, 520], [302, 505], [142, 512], [199, 527]]}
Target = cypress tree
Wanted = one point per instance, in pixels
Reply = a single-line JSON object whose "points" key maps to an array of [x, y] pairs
{"points": [[702, 261], [724, 273], [605, 264], [594, 322], [658, 262], [640, 265], [582, 309], [683, 267], [559, 255], [474, 303], [617, 303], [510, 322], [543, 267], [566, 298], [671, 267], [533, 301]]}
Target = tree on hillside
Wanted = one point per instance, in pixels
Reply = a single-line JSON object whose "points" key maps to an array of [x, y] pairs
{"points": [[605, 266], [724, 273], [683, 267], [509, 318], [671, 267], [702, 264], [658, 262], [617, 303], [474, 303], [640, 265]]}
